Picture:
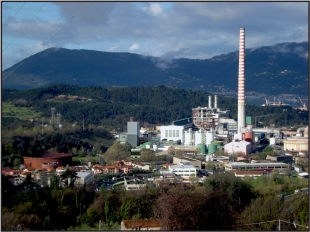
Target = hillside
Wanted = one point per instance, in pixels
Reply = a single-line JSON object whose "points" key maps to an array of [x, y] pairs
{"points": [[277, 69], [113, 106]]}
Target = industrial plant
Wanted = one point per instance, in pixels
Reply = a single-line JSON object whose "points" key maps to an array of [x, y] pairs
{"points": [[210, 129]]}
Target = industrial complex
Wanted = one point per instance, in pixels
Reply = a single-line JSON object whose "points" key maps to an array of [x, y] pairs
{"points": [[209, 133]]}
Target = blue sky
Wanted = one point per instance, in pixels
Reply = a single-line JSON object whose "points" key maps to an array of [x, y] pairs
{"points": [[196, 30]]}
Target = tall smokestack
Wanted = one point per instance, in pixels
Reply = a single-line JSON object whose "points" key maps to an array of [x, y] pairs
{"points": [[210, 102], [241, 81], [215, 101]]}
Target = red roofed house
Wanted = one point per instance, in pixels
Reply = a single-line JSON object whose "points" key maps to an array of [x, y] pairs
{"points": [[141, 224]]}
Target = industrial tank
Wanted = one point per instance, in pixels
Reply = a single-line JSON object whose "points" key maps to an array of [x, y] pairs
{"points": [[202, 148], [212, 148], [217, 143], [248, 136]]}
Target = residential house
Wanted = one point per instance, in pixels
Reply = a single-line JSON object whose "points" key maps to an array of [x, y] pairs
{"points": [[16, 180], [84, 178], [141, 166], [8, 172], [141, 224]]}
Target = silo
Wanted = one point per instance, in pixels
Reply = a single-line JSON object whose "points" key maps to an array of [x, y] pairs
{"points": [[272, 141], [209, 137], [202, 148], [212, 148], [199, 137], [188, 137]]}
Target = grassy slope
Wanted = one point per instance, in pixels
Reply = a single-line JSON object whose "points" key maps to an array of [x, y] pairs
{"points": [[25, 113]]}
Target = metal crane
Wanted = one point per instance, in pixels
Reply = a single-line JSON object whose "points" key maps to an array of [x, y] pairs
{"points": [[304, 107]]}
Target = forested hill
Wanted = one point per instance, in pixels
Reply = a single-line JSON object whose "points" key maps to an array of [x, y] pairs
{"points": [[277, 69], [115, 105]]}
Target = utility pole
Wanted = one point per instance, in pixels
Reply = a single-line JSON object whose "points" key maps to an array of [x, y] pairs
{"points": [[285, 110], [83, 123], [80, 208], [279, 224]]}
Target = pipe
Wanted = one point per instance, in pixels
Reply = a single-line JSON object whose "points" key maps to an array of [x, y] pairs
{"points": [[210, 101], [215, 101]]}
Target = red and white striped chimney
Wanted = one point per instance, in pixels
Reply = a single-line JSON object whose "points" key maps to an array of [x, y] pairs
{"points": [[241, 82]]}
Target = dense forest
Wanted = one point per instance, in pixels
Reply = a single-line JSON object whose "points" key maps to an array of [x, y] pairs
{"points": [[88, 119], [222, 202], [112, 106]]}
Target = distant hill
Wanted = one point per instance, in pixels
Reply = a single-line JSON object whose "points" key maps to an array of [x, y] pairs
{"points": [[277, 69]]}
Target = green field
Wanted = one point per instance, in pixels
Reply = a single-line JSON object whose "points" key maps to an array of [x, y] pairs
{"points": [[24, 113]]}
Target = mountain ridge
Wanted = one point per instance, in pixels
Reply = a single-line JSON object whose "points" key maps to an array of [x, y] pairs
{"points": [[278, 69]]}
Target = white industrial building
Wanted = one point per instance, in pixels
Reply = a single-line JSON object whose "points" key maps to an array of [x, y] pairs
{"points": [[252, 166], [183, 170], [172, 132], [238, 146]]}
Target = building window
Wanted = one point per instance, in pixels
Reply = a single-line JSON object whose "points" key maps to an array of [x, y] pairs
{"points": [[173, 133], [177, 133], [166, 133], [170, 133]]}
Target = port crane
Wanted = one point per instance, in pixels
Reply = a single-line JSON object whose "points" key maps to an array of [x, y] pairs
{"points": [[304, 107], [267, 101]]}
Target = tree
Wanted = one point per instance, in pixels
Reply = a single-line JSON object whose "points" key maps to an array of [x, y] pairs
{"points": [[262, 209], [68, 178], [268, 149]]}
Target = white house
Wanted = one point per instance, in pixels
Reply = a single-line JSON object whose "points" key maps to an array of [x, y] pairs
{"points": [[84, 178]]}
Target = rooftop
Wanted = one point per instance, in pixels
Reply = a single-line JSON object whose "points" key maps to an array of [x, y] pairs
{"points": [[131, 224], [83, 174]]}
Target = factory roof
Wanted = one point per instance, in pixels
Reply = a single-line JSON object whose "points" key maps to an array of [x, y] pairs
{"points": [[188, 166], [249, 164]]}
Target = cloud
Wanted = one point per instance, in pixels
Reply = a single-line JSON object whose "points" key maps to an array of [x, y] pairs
{"points": [[113, 48], [19, 53], [134, 47], [166, 60], [301, 52], [154, 9], [205, 28]]}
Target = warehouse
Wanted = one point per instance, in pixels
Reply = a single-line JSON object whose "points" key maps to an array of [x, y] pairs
{"points": [[253, 166]]}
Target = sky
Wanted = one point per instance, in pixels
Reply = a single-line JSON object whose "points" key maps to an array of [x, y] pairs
{"points": [[168, 30]]}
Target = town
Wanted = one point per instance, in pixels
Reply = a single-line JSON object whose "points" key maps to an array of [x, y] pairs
{"points": [[208, 165]]}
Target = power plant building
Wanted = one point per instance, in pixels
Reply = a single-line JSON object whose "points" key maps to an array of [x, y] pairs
{"points": [[238, 146], [208, 117]]}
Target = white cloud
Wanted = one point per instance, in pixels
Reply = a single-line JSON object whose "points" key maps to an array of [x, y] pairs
{"points": [[134, 47], [154, 9], [113, 48]]}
